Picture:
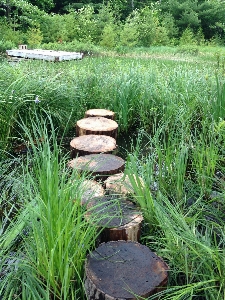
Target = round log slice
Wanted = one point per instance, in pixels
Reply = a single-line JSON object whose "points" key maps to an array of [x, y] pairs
{"points": [[121, 184], [119, 218], [92, 144], [124, 270], [99, 165], [90, 189], [100, 113], [98, 126]]}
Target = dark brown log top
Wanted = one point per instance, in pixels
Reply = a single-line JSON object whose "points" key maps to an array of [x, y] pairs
{"points": [[98, 164], [96, 125], [124, 270], [92, 144], [113, 210], [120, 218], [100, 113]]}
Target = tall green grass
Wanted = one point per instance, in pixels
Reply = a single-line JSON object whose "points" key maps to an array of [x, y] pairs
{"points": [[184, 212], [140, 90], [48, 237], [176, 106]]}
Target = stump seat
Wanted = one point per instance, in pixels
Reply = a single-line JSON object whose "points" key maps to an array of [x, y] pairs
{"points": [[97, 126], [92, 144], [90, 189], [124, 271], [105, 113], [99, 165], [121, 184], [119, 218]]}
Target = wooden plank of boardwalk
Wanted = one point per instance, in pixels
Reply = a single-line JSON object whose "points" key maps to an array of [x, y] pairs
{"points": [[97, 126], [92, 144], [105, 113], [121, 270], [119, 218], [99, 165]]}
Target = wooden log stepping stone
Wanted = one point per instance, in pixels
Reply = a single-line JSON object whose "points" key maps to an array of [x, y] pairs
{"points": [[124, 271], [99, 165], [97, 126], [121, 184], [90, 189], [100, 113], [116, 217], [92, 144]]}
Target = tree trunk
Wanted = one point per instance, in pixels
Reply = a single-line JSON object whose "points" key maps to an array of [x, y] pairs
{"points": [[120, 184], [124, 271], [100, 113], [100, 166], [90, 189], [97, 126], [92, 144], [119, 218]]}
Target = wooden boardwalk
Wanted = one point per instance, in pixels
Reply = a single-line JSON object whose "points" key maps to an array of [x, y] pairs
{"points": [[49, 55]]}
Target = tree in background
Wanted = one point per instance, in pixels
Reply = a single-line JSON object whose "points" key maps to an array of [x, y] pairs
{"points": [[196, 14], [45, 5], [20, 14], [135, 22], [143, 26]]}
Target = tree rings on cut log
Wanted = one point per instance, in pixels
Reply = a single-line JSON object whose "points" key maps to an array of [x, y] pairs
{"points": [[99, 165], [92, 144], [121, 184], [119, 218], [100, 113], [90, 189], [124, 270], [97, 126]]}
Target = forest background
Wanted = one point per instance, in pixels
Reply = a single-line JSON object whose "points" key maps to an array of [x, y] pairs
{"points": [[114, 24]]}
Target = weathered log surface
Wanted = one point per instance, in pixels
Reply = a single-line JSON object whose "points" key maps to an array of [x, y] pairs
{"points": [[121, 184], [97, 126], [90, 189], [119, 217], [124, 270], [100, 113], [99, 165], [92, 144]]}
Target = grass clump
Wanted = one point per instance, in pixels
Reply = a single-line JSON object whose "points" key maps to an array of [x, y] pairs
{"points": [[44, 246]]}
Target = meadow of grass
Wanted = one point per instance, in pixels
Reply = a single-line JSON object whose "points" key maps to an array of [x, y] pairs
{"points": [[173, 103]]}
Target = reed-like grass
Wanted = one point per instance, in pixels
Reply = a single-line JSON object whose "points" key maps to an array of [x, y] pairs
{"points": [[48, 237], [141, 91], [181, 206], [190, 242], [175, 106]]}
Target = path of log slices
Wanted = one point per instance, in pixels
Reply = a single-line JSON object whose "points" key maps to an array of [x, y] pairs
{"points": [[120, 267]]}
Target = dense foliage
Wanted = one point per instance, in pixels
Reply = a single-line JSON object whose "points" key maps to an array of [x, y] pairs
{"points": [[111, 23]]}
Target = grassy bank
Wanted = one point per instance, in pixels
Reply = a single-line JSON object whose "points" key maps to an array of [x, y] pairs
{"points": [[139, 89], [173, 102]]}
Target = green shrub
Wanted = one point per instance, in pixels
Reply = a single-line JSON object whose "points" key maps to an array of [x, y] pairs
{"points": [[187, 37], [161, 36], [129, 36], [6, 45], [34, 37], [8, 33], [109, 36]]}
